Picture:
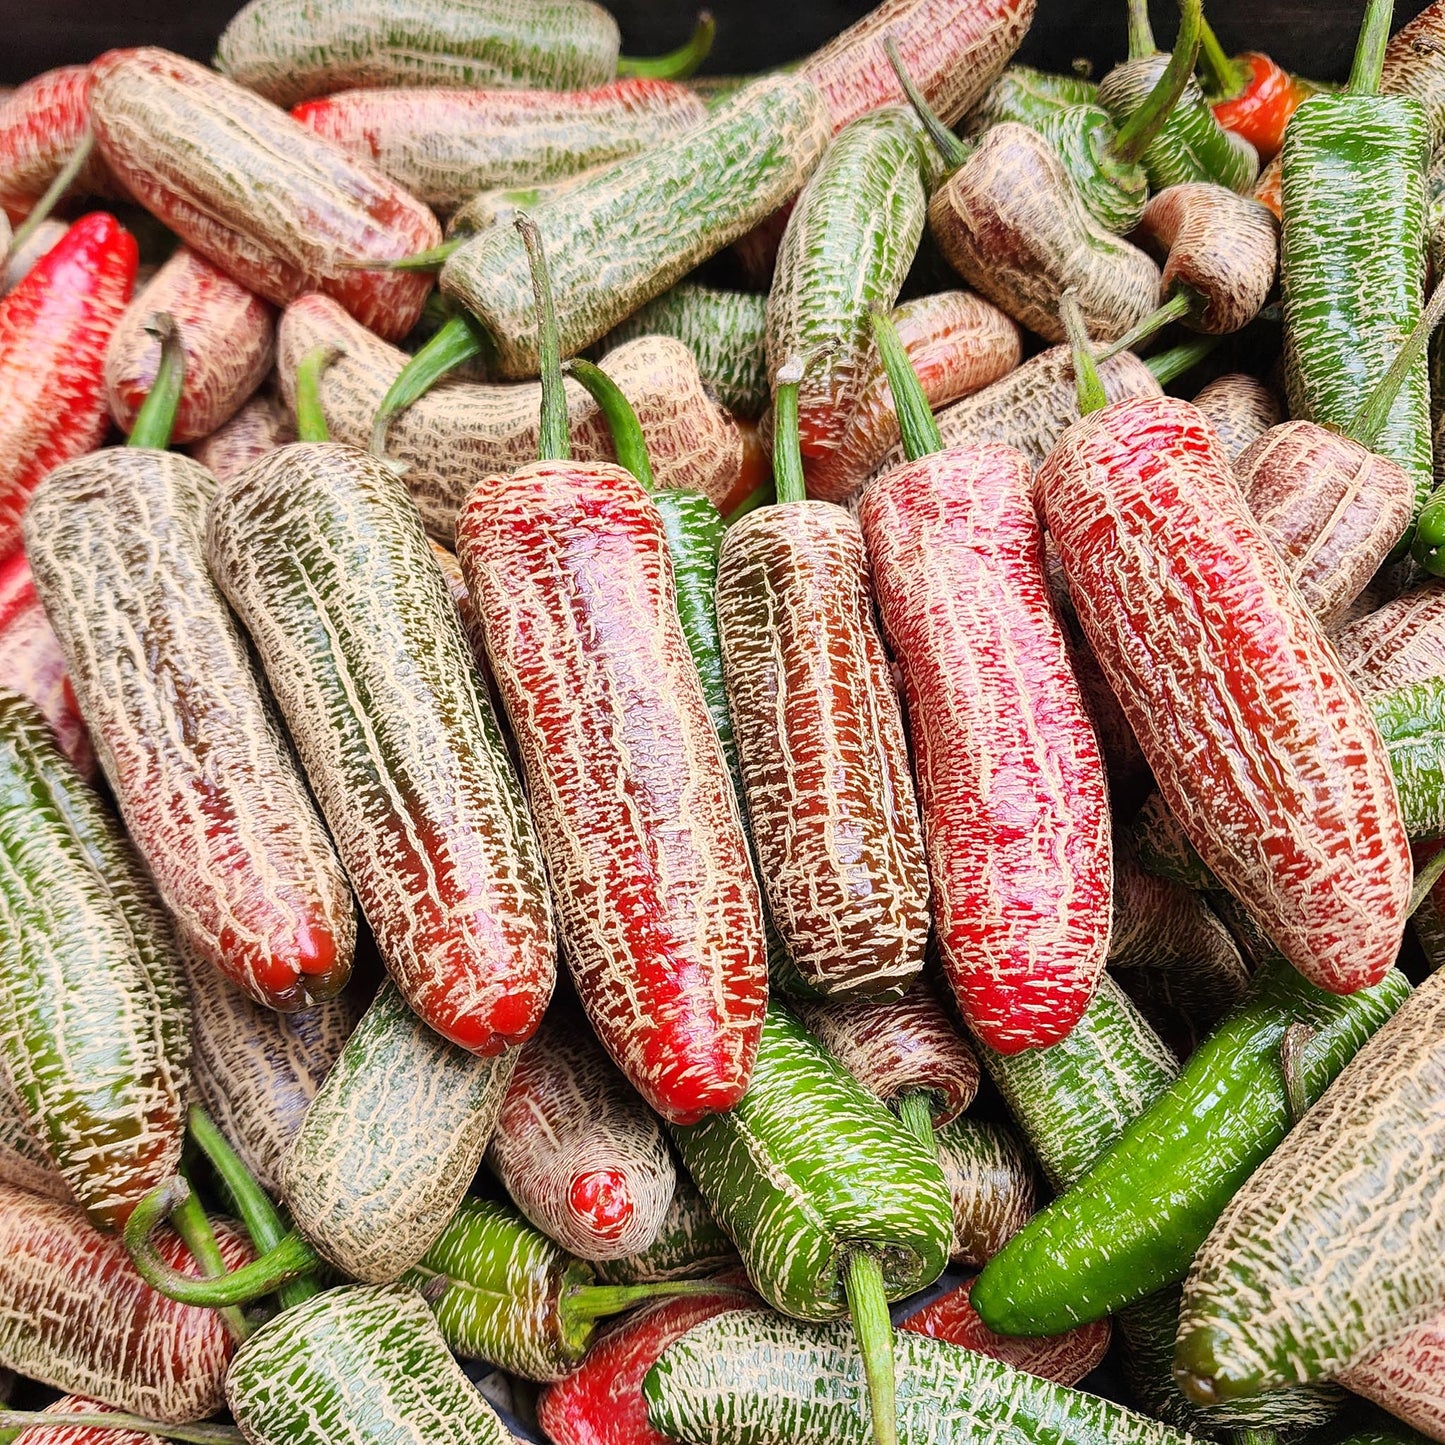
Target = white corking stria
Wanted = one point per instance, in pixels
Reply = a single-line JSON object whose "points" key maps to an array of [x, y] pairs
{"points": [[991, 1182], [1408, 1377], [1403, 641], [323, 557], [203, 775], [23, 1163], [1240, 408], [262, 425]]}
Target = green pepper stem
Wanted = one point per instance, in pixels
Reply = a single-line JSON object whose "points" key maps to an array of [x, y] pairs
{"points": [[949, 146], [597, 1301], [627, 439], [1374, 415], [292, 1257], [1142, 128], [868, 1304], [1369, 64], [1176, 308], [310, 414], [262, 1219], [63, 181], [676, 64], [1291, 1066], [1141, 32], [915, 1113], [788, 483], [197, 1434], [1425, 879], [156, 419], [189, 1220], [553, 444], [915, 417], [1167, 366], [1227, 78], [430, 260], [456, 340], [1088, 387], [760, 496]]}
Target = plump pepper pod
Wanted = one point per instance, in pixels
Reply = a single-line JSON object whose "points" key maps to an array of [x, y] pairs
{"points": [[1240, 408], [1401, 642], [94, 1019], [568, 570], [577, 1149], [275, 206], [1352, 258], [54, 327], [1026, 95], [820, 736], [504, 1293], [689, 1244], [748, 1377], [990, 1179], [834, 1205], [322, 554], [1342, 1221], [23, 1161], [1406, 1377], [848, 246], [1286, 792], [1018, 838], [1178, 1164], [183, 728], [662, 212]]}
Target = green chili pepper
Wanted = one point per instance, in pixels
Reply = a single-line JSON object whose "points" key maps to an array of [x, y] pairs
{"points": [[1029, 97]]}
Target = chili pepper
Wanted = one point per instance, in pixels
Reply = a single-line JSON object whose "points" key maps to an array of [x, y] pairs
{"points": [[600, 1402], [990, 1183], [289, 51], [1192, 145], [1250, 95], [663, 212], [462, 431], [1022, 924], [275, 206], [848, 246], [1268, 189], [41, 124], [77, 1316], [663, 926], [1028, 96], [54, 327], [577, 1151], [260, 427], [228, 336], [1405, 1377], [1064, 1358], [446, 145], [495, 207], [1240, 408], [689, 1243], [1342, 1208], [69, 1422], [32, 663], [1352, 261], [820, 736], [24, 1164], [1183, 599], [504, 1293], [833, 1204], [1415, 66], [1402, 642], [957, 343], [1179, 1163], [207, 786], [19, 259], [93, 1022]]}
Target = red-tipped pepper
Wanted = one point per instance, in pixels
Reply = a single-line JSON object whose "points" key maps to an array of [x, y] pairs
{"points": [[1256, 97], [41, 124]]}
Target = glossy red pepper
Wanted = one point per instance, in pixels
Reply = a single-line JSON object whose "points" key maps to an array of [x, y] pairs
{"points": [[1262, 109], [54, 328]]}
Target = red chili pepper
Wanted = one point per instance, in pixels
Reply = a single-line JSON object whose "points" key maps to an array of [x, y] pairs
{"points": [[1262, 109], [41, 124], [54, 327], [62, 1434]]}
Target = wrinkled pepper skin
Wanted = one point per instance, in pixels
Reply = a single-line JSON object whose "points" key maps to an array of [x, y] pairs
{"points": [[990, 1179], [203, 777], [1399, 643], [275, 206], [322, 554], [94, 1015], [263, 425], [1240, 408], [41, 123], [1011, 782], [63, 1434], [1407, 1378], [657, 905], [1259, 742], [54, 328], [690, 1243]]}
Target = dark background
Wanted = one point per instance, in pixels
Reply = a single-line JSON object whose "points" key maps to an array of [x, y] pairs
{"points": [[1314, 39]]}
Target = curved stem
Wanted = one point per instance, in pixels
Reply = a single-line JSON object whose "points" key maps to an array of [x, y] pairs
{"points": [[915, 417], [915, 1112], [456, 340], [310, 414], [553, 444], [1425, 879], [1166, 366], [1141, 32], [627, 439], [1176, 308], [189, 1220], [262, 1219], [156, 419], [197, 1434], [63, 181], [1139, 132], [788, 483], [1372, 417], [760, 496], [292, 1257], [1369, 63], [430, 260], [949, 146], [1226, 78], [676, 64], [1291, 1058], [1089, 388], [868, 1304], [597, 1301]]}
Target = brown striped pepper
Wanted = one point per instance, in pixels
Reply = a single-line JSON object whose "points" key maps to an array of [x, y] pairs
{"points": [[991, 1184], [1259, 743], [262, 425], [1403, 641], [228, 336], [183, 729], [1240, 408], [273, 205], [568, 569], [459, 432]]}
